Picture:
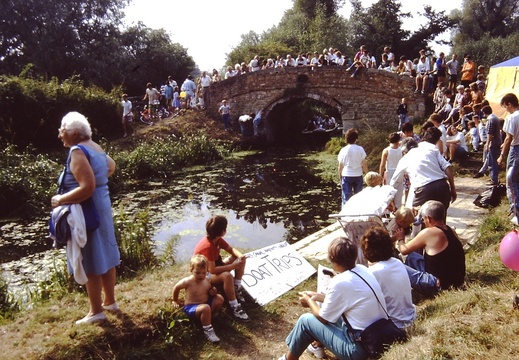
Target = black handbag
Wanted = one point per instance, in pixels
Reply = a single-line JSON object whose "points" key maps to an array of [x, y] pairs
{"points": [[378, 336]]}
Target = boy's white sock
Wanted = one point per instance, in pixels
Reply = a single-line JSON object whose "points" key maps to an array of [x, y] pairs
{"points": [[233, 303], [207, 327], [237, 283]]}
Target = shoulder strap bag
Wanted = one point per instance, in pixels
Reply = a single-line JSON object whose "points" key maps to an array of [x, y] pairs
{"points": [[378, 336]]}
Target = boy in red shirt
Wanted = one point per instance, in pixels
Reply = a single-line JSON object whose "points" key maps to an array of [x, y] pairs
{"points": [[220, 269]]}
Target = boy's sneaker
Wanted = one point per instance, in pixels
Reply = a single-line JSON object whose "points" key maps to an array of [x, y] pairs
{"points": [[239, 294], [318, 351], [239, 313], [211, 336]]}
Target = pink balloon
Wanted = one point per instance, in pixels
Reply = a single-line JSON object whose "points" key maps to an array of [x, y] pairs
{"points": [[509, 250]]}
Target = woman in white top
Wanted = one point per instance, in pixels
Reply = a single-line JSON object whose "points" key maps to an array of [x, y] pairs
{"points": [[457, 145], [352, 165], [391, 274], [388, 163]]}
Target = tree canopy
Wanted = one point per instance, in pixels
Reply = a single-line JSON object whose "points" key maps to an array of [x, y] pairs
{"points": [[312, 25], [488, 30], [86, 38]]}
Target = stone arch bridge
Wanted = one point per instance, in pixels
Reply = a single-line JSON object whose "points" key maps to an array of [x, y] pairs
{"points": [[371, 97]]}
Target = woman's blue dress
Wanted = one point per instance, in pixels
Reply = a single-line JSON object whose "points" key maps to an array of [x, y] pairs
{"points": [[101, 252]]}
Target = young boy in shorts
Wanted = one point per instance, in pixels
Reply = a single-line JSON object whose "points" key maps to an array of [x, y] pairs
{"points": [[201, 297], [220, 269]]}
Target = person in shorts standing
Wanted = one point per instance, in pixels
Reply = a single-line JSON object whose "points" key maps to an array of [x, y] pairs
{"points": [[452, 68], [127, 120], [153, 97], [225, 111]]}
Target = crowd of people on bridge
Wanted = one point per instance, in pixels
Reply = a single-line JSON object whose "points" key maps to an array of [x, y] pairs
{"points": [[426, 69]]}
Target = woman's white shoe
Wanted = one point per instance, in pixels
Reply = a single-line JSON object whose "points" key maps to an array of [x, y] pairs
{"points": [[92, 319]]}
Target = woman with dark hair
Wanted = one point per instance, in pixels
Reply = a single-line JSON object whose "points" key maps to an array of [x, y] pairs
{"points": [[352, 165], [347, 296], [378, 248]]}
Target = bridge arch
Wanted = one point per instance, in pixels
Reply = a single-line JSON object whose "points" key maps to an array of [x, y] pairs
{"points": [[323, 98]]}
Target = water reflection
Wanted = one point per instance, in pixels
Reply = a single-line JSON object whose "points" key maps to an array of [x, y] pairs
{"points": [[244, 231], [266, 198]]}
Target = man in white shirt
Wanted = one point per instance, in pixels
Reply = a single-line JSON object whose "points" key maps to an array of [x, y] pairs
{"points": [[172, 82], [430, 174], [205, 81], [390, 55], [153, 97], [189, 87], [452, 68], [254, 64], [511, 128], [422, 75], [127, 115], [289, 62]]}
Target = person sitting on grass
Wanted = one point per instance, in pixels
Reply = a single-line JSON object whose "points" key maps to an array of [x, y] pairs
{"points": [[443, 264], [404, 219], [456, 144], [391, 274], [201, 297], [220, 269]]}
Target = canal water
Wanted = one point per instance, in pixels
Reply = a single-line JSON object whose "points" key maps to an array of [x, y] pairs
{"points": [[266, 197]]}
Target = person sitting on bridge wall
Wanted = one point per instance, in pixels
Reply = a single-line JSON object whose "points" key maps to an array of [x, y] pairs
{"points": [[360, 62]]}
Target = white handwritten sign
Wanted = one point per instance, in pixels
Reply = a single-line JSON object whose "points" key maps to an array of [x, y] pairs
{"points": [[323, 278], [273, 270]]}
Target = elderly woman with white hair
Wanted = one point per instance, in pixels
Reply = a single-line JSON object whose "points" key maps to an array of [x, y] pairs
{"points": [[86, 176]]}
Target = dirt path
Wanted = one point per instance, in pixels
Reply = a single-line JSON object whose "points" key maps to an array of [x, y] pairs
{"points": [[462, 215]]}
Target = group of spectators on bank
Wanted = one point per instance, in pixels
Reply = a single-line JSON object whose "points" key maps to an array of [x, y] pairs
{"points": [[420, 167]]}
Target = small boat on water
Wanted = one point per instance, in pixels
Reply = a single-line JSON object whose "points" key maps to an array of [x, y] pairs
{"points": [[336, 129]]}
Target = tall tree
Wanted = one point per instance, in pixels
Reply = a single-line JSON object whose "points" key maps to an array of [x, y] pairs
{"points": [[497, 18], [150, 56], [85, 39], [57, 36], [296, 32], [310, 7], [378, 26], [437, 22], [488, 30], [381, 25]]}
